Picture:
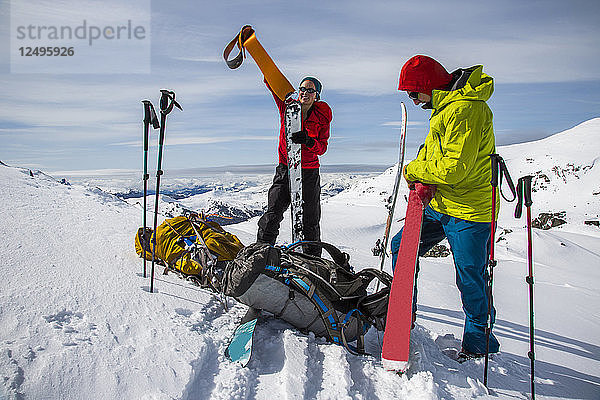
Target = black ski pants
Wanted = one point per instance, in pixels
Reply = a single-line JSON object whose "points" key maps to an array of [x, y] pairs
{"points": [[279, 201]]}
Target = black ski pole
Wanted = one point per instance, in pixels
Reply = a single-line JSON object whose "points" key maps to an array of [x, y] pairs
{"points": [[491, 264], [149, 118], [524, 193], [498, 171], [167, 101]]}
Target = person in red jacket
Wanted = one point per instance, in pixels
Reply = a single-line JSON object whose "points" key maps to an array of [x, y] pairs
{"points": [[316, 119]]}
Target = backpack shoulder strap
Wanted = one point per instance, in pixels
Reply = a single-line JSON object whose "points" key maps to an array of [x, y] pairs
{"points": [[371, 273], [322, 304]]}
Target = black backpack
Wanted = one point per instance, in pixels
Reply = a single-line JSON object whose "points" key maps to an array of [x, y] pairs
{"points": [[311, 293]]}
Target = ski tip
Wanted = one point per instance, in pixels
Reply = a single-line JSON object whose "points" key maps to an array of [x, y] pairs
{"points": [[240, 347], [394, 365]]}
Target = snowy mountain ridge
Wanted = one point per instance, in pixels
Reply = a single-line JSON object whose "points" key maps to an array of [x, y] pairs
{"points": [[566, 167]]}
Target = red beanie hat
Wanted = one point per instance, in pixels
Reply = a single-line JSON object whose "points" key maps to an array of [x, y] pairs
{"points": [[423, 74]]}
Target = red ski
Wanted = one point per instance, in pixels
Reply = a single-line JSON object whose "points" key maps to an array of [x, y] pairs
{"points": [[399, 315]]}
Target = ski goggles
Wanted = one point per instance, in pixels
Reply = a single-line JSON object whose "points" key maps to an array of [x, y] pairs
{"points": [[413, 95], [307, 90]]}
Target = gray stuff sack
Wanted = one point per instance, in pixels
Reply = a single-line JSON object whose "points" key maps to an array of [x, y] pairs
{"points": [[311, 293]]}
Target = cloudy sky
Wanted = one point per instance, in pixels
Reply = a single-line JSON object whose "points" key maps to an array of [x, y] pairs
{"points": [[543, 55]]}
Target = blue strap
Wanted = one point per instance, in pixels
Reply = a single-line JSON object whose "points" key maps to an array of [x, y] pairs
{"points": [[294, 244], [349, 315], [189, 241], [277, 269]]}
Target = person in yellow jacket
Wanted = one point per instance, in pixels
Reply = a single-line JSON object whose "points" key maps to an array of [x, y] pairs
{"points": [[455, 158]]}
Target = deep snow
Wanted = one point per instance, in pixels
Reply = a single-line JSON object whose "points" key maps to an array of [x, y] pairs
{"points": [[77, 320]]}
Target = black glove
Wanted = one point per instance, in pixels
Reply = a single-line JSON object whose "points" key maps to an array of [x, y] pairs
{"points": [[301, 137]]}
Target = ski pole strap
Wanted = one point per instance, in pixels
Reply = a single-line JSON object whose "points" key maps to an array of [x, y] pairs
{"points": [[498, 170], [246, 39], [523, 193]]}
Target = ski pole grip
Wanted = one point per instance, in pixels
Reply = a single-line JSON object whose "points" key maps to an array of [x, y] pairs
{"points": [[147, 120], [494, 158], [527, 190], [523, 194], [519, 206], [164, 100], [167, 101]]}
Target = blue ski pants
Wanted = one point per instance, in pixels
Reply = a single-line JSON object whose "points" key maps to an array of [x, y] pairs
{"points": [[469, 242]]}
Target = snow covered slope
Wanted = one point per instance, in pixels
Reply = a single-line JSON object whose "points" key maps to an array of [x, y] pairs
{"points": [[566, 168], [77, 320]]}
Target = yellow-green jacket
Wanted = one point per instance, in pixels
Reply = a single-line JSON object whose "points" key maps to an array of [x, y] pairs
{"points": [[455, 157]]}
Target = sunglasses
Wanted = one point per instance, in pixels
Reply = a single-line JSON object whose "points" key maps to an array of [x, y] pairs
{"points": [[413, 95], [307, 90]]}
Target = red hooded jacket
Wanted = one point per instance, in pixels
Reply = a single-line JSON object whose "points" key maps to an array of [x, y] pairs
{"points": [[317, 127]]}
